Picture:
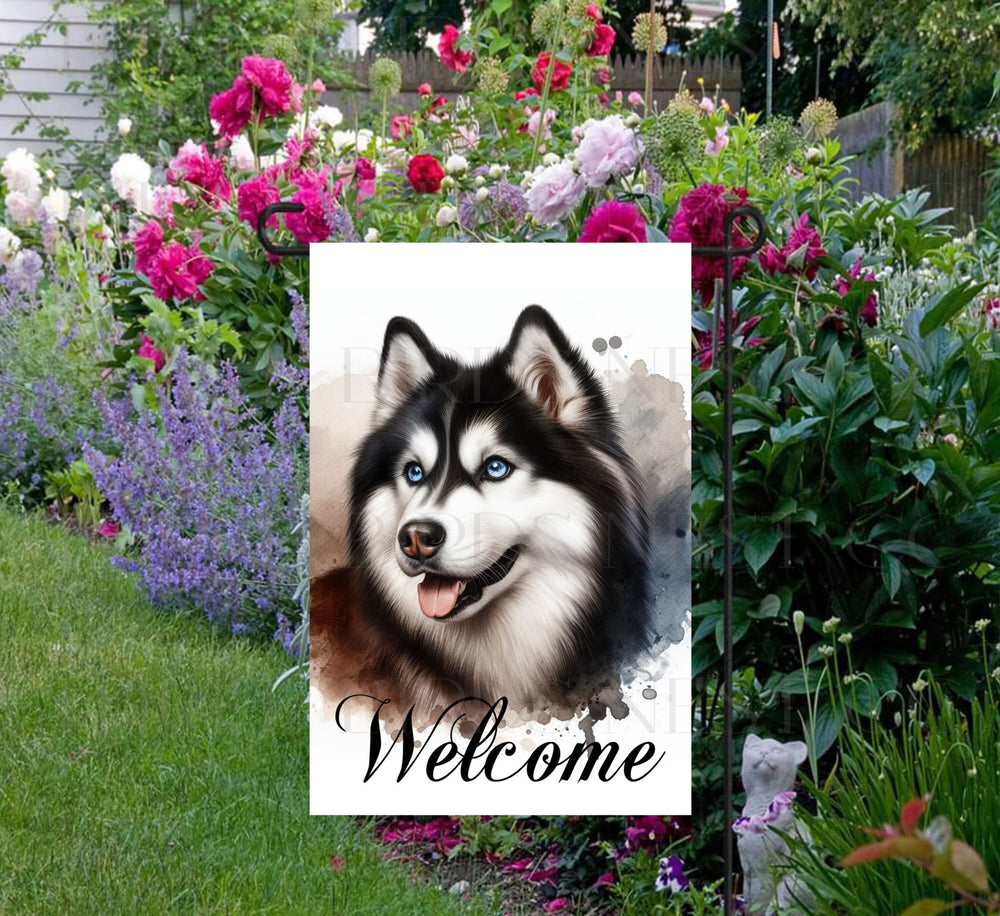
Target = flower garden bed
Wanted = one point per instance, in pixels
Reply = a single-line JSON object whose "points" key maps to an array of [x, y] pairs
{"points": [[153, 390]]}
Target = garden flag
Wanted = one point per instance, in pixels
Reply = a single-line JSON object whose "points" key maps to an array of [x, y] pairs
{"points": [[500, 543]]}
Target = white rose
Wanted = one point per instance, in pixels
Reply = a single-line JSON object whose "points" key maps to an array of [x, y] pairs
{"points": [[456, 165], [124, 126], [129, 175], [241, 153], [446, 216], [21, 171], [9, 245], [56, 204]]}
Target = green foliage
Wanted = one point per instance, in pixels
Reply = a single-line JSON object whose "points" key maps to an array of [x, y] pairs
{"points": [[406, 26], [74, 488], [936, 60], [167, 63], [935, 750]]}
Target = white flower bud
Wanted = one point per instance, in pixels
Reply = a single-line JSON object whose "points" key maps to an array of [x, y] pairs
{"points": [[456, 165], [446, 216], [124, 126], [482, 194], [372, 235]]}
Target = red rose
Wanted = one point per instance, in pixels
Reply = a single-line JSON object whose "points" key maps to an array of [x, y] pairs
{"points": [[560, 73], [525, 93], [604, 39], [450, 57], [425, 174]]}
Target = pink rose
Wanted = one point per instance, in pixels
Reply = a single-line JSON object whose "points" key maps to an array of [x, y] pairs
{"points": [[603, 40], [593, 12], [560, 73], [424, 89], [452, 58], [318, 86], [401, 126], [635, 98], [614, 221]]}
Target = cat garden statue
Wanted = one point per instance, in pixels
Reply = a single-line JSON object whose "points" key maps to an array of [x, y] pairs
{"points": [[768, 776]]}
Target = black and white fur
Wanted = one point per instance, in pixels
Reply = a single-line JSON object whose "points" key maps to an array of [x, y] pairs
{"points": [[575, 602]]}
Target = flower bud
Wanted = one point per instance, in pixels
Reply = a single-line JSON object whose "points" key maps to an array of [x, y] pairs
{"points": [[124, 126], [446, 216], [798, 621]]}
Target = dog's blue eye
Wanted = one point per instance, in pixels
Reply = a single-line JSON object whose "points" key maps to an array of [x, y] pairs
{"points": [[496, 469], [414, 472]]}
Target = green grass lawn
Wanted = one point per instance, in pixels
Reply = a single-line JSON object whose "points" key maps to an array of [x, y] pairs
{"points": [[145, 765]]}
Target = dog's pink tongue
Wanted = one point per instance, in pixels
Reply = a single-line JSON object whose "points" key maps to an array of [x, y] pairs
{"points": [[438, 595]]}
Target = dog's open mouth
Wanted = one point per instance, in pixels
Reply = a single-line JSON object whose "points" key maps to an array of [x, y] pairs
{"points": [[441, 596]]}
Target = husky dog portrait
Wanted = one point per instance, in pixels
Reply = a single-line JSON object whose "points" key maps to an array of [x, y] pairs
{"points": [[497, 530]]}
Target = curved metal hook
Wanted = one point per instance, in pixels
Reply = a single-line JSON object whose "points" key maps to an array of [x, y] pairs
{"points": [[755, 217], [295, 251]]}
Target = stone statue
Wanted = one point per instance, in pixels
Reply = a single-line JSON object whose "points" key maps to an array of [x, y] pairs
{"points": [[768, 775]]}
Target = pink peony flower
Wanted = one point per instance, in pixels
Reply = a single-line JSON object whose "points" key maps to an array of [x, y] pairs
{"points": [[704, 354], [803, 249], [522, 94], [604, 75], [148, 350], [318, 86], [700, 219], [535, 120], [555, 906], [264, 88], [147, 242], [868, 313], [560, 73], [164, 198], [195, 165], [424, 89], [253, 196], [706, 104], [107, 528], [312, 225], [614, 221], [554, 192], [593, 12], [451, 57], [177, 272], [635, 98], [603, 40], [608, 148], [605, 879]]}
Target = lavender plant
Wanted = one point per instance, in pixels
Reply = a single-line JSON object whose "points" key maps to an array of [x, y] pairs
{"points": [[211, 493]]}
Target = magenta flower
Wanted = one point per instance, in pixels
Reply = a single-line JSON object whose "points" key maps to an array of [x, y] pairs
{"points": [[555, 906], [177, 272], [603, 40], [700, 219], [107, 529], [451, 57], [195, 165], [613, 221], [147, 242], [148, 350], [803, 249], [704, 354], [313, 224], [869, 311], [991, 309], [253, 196], [264, 88]]}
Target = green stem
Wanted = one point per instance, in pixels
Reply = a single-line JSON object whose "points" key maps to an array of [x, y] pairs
{"points": [[545, 92]]}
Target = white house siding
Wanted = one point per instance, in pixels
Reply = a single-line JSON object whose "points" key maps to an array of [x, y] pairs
{"points": [[50, 67]]}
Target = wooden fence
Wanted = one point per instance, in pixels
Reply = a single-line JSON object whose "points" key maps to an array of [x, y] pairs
{"points": [[628, 74], [951, 168]]}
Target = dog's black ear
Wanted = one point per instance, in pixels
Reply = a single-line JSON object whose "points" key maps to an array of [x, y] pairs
{"points": [[551, 371], [408, 361]]}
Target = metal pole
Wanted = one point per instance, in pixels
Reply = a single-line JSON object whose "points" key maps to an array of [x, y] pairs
{"points": [[728, 253], [770, 57]]}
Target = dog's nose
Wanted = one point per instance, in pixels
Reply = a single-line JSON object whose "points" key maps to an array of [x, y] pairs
{"points": [[420, 540]]}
